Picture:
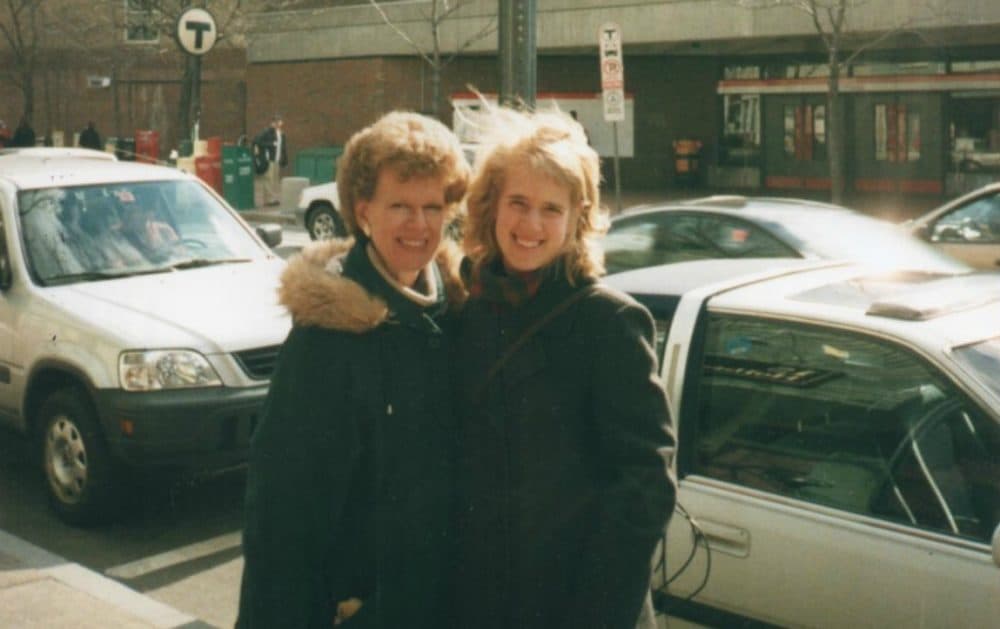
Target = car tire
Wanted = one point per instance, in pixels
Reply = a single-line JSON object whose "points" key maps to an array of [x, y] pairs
{"points": [[78, 468], [325, 223]]}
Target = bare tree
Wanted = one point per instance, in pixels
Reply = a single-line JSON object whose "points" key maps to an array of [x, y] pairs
{"points": [[434, 19], [830, 18], [22, 25]]}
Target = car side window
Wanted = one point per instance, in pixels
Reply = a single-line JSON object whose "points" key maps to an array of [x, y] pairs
{"points": [[655, 239], [976, 222], [740, 239], [843, 421]]}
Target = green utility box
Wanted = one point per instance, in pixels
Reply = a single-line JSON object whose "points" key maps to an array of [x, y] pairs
{"points": [[318, 164], [237, 177]]}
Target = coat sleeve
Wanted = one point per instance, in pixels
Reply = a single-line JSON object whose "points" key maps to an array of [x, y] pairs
{"points": [[303, 457], [636, 445]]}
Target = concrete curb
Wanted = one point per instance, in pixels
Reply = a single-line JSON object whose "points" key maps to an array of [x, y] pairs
{"points": [[99, 587]]}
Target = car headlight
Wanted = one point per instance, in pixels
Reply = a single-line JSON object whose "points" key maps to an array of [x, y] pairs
{"points": [[165, 369]]}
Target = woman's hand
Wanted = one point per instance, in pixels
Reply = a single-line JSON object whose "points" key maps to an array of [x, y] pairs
{"points": [[346, 609]]}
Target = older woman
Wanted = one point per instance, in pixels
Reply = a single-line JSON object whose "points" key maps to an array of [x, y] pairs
{"points": [[349, 488], [564, 436]]}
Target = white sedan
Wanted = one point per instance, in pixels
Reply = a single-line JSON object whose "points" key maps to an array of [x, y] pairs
{"points": [[838, 456]]}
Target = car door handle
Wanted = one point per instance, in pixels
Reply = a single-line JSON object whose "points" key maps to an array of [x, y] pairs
{"points": [[724, 538]]}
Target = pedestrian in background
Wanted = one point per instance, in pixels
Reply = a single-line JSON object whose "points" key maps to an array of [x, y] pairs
{"points": [[349, 490], [90, 138], [271, 147], [565, 439], [24, 135], [4, 135]]}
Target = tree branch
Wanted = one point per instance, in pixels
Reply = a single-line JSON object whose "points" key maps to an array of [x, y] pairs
{"points": [[399, 31]]}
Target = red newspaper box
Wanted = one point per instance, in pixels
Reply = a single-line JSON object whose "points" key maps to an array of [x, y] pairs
{"points": [[147, 146]]}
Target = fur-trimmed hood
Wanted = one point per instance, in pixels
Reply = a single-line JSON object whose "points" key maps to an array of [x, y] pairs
{"points": [[315, 292]]}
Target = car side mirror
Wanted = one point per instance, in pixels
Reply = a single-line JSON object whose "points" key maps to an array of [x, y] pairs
{"points": [[270, 233], [996, 546], [923, 232]]}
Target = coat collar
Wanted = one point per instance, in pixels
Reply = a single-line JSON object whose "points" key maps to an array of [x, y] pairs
{"points": [[332, 284]]}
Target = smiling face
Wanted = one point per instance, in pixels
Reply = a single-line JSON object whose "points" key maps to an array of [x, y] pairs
{"points": [[533, 218], [405, 220]]}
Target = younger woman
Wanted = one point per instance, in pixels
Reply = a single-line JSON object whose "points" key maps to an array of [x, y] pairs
{"points": [[564, 437]]}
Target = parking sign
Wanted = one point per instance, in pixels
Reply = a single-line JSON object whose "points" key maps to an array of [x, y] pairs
{"points": [[609, 39]]}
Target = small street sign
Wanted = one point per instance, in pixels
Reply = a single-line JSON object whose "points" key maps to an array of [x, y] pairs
{"points": [[196, 31], [609, 39]]}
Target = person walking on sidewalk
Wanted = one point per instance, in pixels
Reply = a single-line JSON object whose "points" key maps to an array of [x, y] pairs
{"points": [[271, 147], [90, 138], [349, 489], [565, 440], [24, 135]]}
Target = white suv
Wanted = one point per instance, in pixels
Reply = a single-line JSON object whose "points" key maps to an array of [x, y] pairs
{"points": [[139, 321]]}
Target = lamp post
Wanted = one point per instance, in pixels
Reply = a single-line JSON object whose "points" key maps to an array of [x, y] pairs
{"points": [[518, 53]]}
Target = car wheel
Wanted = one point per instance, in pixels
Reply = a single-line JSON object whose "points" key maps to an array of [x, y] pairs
{"points": [[325, 223], [78, 467]]}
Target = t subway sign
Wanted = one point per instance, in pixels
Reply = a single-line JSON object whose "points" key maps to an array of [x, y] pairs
{"points": [[609, 39], [196, 31]]}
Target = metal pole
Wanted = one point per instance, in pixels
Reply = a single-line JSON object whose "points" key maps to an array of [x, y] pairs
{"points": [[518, 52], [196, 97], [618, 173]]}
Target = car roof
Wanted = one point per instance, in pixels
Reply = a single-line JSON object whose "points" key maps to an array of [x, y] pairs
{"points": [[751, 208], [935, 310], [30, 169]]}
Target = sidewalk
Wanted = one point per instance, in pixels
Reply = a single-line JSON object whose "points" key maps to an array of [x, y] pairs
{"points": [[39, 590]]}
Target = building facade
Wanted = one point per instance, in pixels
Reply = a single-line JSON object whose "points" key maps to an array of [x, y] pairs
{"points": [[920, 98]]}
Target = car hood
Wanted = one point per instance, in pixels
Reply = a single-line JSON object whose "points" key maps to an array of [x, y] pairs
{"points": [[216, 309], [324, 192]]}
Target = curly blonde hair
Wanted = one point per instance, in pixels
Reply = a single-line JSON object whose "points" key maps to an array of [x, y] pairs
{"points": [[552, 143], [411, 144]]}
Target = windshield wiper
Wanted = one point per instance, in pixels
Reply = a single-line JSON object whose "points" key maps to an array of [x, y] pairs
{"points": [[195, 263], [94, 276]]}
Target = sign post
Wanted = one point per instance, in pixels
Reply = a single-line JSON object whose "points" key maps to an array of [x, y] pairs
{"points": [[609, 39], [196, 34]]}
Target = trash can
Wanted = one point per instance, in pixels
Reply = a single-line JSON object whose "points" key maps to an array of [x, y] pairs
{"points": [[147, 146], [237, 176], [318, 164], [209, 169], [687, 158], [125, 149]]}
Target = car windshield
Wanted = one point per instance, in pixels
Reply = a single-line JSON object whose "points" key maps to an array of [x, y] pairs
{"points": [[844, 235], [983, 360], [88, 233]]}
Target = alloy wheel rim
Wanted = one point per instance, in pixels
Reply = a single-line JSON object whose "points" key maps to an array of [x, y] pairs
{"points": [[66, 460], [324, 227]]}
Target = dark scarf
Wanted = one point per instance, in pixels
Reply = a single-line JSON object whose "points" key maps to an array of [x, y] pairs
{"points": [[491, 282], [358, 267]]}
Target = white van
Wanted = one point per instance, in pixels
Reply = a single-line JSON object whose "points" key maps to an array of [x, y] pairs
{"points": [[139, 321]]}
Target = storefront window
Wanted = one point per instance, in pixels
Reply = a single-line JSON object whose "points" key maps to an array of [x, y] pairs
{"points": [[898, 69], [897, 133], [805, 132], [975, 132], [741, 73], [741, 135]]}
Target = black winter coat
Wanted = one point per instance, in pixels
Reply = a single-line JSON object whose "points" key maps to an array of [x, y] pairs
{"points": [[564, 474], [349, 489], [267, 142]]}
